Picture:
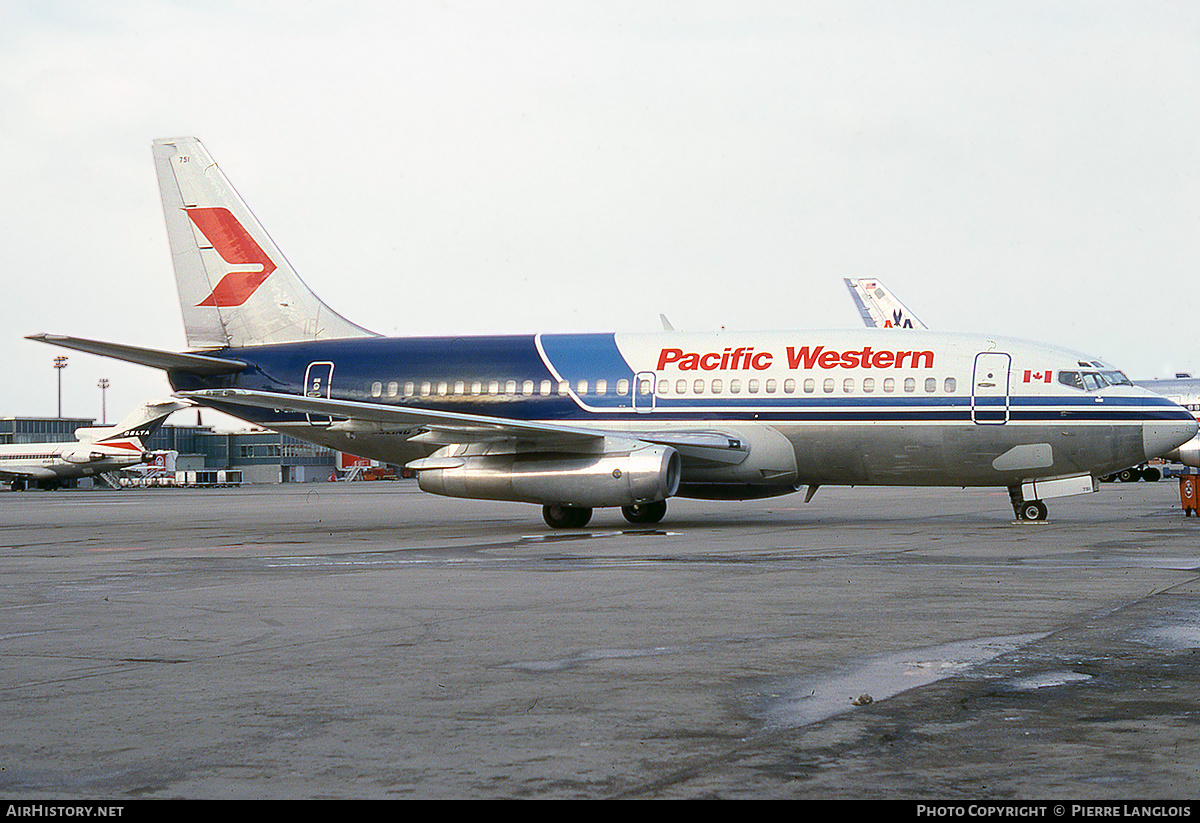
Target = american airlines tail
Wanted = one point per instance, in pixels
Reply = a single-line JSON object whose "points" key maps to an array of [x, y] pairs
{"points": [[235, 286], [880, 308]]}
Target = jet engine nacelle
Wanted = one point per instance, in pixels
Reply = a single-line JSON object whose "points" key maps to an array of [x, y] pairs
{"points": [[82, 454], [639, 474], [1188, 454]]}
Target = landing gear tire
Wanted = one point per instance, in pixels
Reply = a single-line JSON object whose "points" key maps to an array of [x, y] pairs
{"points": [[1032, 510], [566, 517], [1127, 475], [1151, 475], [645, 512]]}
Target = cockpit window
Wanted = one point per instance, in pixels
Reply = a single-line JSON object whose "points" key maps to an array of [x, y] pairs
{"points": [[1093, 380], [1071, 378]]}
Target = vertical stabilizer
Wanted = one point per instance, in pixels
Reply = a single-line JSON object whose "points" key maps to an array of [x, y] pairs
{"points": [[136, 428], [235, 286], [880, 308]]}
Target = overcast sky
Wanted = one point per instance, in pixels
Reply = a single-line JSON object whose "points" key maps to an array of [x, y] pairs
{"points": [[1030, 169]]}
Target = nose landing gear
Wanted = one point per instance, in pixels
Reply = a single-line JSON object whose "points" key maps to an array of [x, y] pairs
{"points": [[1032, 510]]}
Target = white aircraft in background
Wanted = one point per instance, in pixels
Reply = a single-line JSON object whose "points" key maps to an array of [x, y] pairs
{"points": [[573, 422], [880, 308], [96, 450]]}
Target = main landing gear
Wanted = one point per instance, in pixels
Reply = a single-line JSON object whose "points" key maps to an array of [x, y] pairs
{"points": [[566, 517], [576, 517], [1026, 509]]}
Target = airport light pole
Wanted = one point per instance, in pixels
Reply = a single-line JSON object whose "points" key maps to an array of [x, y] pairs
{"points": [[103, 384], [60, 363]]}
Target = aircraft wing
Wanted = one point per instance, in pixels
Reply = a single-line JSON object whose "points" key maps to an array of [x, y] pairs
{"points": [[445, 428], [33, 474]]}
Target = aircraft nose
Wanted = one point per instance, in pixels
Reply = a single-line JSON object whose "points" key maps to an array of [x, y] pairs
{"points": [[1162, 436]]}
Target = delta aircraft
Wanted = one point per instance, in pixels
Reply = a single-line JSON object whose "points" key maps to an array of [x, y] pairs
{"points": [[574, 422], [881, 308], [96, 450]]}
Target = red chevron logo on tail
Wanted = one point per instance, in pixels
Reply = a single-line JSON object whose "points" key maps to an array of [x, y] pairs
{"points": [[236, 246]]}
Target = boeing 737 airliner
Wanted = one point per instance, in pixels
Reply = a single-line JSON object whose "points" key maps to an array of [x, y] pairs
{"points": [[573, 422]]}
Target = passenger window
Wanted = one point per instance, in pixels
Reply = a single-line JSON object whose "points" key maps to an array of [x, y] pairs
{"points": [[443, 388], [868, 384], [848, 385], [477, 387], [377, 389], [698, 386], [564, 388], [622, 387], [601, 387], [752, 385], [827, 386], [460, 387], [910, 384], [770, 385], [494, 387], [544, 389], [681, 386], [410, 388], [889, 384], [664, 387], [510, 387], [717, 385], [951, 385], [930, 384], [810, 385], [735, 386], [527, 388], [393, 389], [644, 387], [426, 388], [789, 386], [581, 387]]}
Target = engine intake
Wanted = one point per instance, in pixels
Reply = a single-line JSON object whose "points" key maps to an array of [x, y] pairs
{"points": [[626, 477]]}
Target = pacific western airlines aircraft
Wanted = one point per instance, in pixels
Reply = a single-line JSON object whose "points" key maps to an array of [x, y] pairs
{"points": [[96, 451], [573, 422], [880, 308]]}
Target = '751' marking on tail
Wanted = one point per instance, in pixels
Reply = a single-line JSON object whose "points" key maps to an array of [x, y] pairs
{"points": [[235, 245]]}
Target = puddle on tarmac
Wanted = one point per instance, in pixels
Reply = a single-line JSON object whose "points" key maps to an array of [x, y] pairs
{"points": [[800, 701]]}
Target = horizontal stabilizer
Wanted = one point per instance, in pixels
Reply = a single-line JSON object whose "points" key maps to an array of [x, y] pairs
{"points": [[155, 359]]}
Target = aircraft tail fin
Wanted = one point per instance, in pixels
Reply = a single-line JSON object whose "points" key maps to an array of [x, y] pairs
{"points": [[136, 428], [235, 286], [880, 308]]}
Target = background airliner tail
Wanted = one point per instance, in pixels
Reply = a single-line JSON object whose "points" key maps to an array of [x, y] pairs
{"points": [[235, 286], [139, 425], [880, 308]]}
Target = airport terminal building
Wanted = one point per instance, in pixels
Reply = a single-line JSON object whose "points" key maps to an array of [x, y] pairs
{"points": [[261, 456]]}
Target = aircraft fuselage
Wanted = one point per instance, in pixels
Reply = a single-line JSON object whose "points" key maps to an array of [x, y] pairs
{"points": [[810, 407]]}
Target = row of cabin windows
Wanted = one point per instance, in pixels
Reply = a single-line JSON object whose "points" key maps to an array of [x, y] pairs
{"points": [[666, 387], [480, 388], [828, 386]]}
